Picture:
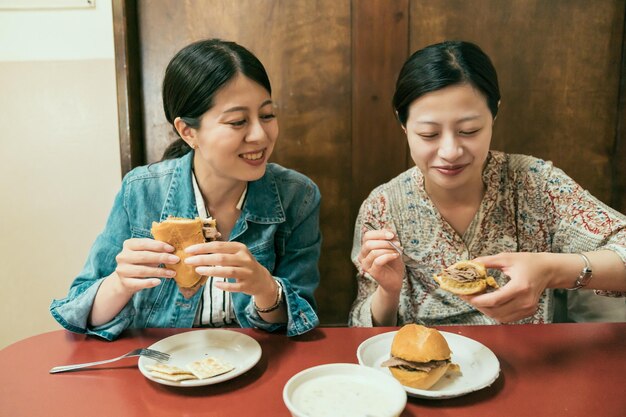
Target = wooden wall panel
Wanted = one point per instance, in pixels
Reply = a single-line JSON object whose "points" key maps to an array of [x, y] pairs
{"points": [[128, 75], [559, 68], [305, 47], [380, 47], [618, 200]]}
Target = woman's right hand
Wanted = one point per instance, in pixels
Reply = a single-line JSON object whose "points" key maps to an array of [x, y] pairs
{"points": [[138, 264], [137, 269], [381, 261]]}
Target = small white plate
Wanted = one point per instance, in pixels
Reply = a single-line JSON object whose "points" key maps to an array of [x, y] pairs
{"points": [[479, 365], [343, 389], [237, 349]]}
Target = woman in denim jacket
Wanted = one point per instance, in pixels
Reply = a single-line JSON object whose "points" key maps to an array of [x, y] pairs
{"points": [[263, 271]]}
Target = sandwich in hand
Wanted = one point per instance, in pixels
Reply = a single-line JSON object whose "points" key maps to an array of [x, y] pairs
{"points": [[465, 278], [182, 233], [420, 357]]}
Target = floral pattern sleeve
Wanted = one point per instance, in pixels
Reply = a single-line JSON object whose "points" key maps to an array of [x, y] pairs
{"points": [[583, 222]]}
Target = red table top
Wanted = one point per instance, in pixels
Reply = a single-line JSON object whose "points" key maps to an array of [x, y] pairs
{"points": [[546, 370]]}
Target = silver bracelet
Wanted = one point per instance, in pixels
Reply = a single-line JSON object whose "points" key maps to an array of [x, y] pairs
{"points": [[585, 275], [279, 300]]}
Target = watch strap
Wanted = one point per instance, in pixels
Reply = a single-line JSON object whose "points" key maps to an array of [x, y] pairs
{"points": [[585, 274]]}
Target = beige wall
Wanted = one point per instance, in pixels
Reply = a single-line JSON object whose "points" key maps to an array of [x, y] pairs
{"points": [[59, 149]]}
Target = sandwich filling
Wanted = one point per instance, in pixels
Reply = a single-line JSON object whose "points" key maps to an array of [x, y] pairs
{"points": [[414, 366], [461, 273], [209, 229]]}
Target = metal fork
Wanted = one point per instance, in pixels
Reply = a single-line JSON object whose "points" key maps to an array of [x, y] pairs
{"points": [[148, 353], [405, 258]]}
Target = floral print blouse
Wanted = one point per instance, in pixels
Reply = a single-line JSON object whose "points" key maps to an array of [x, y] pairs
{"points": [[529, 206]]}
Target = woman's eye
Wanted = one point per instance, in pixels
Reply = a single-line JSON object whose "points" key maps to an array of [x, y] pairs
{"points": [[268, 117], [238, 123], [469, 132], [427, 135]]}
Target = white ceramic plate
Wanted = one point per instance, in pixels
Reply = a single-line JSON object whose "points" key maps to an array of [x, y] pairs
{"points": [[343, 389], [237, 349], [479, 366]]}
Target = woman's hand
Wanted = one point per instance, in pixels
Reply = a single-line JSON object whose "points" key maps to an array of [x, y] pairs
{"points": [[381, 261], [384, 264], [138, 264], [137, 269], [233, 260], [530, 275]]}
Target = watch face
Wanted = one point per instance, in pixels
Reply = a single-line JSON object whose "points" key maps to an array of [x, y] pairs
{"points": [[584, 277]]}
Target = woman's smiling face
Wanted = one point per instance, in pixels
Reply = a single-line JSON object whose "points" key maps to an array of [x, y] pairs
{"points": [[237, 135], [449, 133]]}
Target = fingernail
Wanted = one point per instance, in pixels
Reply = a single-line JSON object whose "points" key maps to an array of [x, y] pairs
{"points": [[389, 235], [170, 273], [173, 258]]}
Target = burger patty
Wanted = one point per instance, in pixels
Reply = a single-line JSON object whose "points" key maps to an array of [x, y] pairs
{"points": [[414, 366]]}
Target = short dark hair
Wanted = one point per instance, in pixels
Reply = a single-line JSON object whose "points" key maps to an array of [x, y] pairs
{"points": [[196, 73], [441, 65]]}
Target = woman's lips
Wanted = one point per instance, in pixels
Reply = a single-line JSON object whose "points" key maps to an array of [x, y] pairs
{"points": [[451, 170], [253, 158]]}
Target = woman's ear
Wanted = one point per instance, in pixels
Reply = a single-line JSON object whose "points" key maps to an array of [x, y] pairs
{"points": [[496, 116], [398, 119], [186, 132]]}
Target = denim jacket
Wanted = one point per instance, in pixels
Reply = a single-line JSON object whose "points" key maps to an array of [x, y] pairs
{"points": [[279, 224]]}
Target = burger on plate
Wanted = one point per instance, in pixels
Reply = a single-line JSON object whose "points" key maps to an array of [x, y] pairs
{"points": [[182, 233], [465, 278], [420, 356]]}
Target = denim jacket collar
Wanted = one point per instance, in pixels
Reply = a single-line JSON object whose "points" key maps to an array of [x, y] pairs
{"points": [[262, 205]]}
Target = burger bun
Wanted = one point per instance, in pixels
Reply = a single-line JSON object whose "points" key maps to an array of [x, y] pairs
{"points": [[416, 343]]}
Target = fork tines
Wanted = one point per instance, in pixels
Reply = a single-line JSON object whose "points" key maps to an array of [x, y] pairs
{"points": [[155, 354]]}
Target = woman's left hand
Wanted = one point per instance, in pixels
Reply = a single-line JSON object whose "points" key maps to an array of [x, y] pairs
{"points": [[519, 298], [232, 260]]}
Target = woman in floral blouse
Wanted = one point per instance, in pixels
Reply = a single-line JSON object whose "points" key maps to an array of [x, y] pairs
{"points": [[522, 217]]}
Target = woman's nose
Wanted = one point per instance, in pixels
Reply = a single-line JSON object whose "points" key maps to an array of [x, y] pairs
{"points": [[257, 132], [450, 147]]}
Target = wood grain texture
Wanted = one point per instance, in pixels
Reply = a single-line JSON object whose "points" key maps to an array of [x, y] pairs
{"points": [[380, 47], [618, 160], [558, 64]]}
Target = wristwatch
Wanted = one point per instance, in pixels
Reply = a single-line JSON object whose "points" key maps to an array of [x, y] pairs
{"points": [[585, 275]]}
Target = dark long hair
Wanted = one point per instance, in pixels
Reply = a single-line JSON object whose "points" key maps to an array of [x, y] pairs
{"points": [[441, 65], [195, 74]]}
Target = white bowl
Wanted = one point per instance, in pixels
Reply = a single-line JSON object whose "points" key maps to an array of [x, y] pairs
{"points": [[343, 390]]}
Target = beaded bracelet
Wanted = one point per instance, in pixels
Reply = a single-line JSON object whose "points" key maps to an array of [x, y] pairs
{"points": [[279, 300]]}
